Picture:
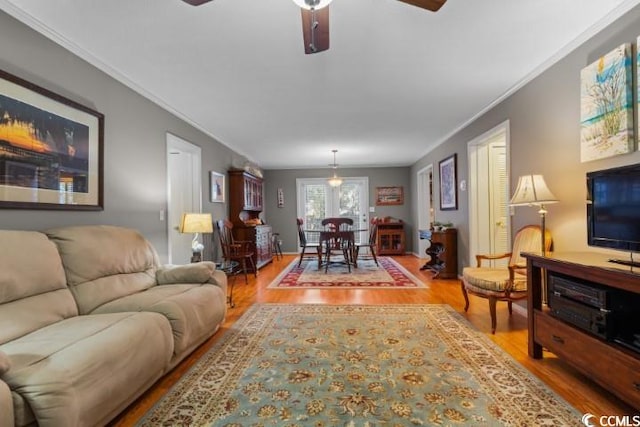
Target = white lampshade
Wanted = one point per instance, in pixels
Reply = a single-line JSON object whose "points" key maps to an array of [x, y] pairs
{"points": [[196, 223], [532, 190], [312, 4]]}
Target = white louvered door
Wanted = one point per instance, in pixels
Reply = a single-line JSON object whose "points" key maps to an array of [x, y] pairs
{"points": [[498, 205]]}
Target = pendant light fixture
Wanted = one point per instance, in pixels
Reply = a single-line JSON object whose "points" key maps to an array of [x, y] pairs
{"points": [[335, 180], [312, 4]]}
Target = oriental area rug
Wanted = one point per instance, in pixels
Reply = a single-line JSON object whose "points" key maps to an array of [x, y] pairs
{"points": [[357, 366], [387, 274]]}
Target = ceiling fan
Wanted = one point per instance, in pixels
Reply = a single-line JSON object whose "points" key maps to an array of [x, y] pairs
{"points": [[315, 19]]}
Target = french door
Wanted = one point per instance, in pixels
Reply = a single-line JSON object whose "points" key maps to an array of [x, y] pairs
{"points": [[318, 200]]}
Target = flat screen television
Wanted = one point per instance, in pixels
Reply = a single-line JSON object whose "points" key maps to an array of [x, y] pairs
{"points": [[613, 209]]}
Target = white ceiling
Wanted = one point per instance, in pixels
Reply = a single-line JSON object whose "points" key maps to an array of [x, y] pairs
{"points": [[396, 81]]}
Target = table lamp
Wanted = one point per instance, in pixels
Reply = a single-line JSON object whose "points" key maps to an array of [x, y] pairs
{"points": [[533, 191], [196, 223]]}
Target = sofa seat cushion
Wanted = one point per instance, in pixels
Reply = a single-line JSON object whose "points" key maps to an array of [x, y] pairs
{"points": [[492, 279], [85, 370], [194, 311]]}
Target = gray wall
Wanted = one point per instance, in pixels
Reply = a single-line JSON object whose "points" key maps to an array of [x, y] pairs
{"points": [[134, 141], [544, 117], [544, 120], [283, 220]]}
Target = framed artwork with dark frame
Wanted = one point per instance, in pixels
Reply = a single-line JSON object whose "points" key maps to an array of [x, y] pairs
{"points": [[448, 183], [217, 187], [51, 149], [387, 196]]}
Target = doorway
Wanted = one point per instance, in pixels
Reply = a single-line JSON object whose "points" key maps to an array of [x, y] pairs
{"points": [[425, 206], [318, 200], [489, 229], [184, 194]]}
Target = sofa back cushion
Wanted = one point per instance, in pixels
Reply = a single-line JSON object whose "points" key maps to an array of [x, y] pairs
{"points": [[33, 290], [103, 263]]}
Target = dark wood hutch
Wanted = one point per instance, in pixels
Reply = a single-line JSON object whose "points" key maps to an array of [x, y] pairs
{"points": [[245, 206]]}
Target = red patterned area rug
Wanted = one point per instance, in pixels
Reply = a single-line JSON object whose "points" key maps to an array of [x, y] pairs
{"points": [[388, 274]]}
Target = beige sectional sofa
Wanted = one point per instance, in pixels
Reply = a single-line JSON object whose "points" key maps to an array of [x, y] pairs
{"points": [[89, 320]]}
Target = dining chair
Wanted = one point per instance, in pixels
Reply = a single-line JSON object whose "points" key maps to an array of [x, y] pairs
{"points": [[371, 244], [304, 244], [339, 240], [503, 283], [235, 250]]}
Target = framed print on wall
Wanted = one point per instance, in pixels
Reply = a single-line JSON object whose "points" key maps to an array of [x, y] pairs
{"points": [[51, 149], [606, 106], [387, 196], [217, 187], [448, 183]]}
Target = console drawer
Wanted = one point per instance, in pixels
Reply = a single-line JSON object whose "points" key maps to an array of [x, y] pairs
{"points": [[612, 368]]}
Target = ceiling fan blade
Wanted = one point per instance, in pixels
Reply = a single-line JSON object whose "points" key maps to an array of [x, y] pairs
{"points": [[196, 2], [315, 29], [432, 5]]}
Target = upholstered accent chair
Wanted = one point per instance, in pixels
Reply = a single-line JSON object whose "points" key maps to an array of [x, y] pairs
{"points": [[503, 283]]}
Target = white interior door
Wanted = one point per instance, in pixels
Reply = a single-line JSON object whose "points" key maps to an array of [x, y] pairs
{"points": [[184, 194], [425, 208], [488, 193], [318, 200]]}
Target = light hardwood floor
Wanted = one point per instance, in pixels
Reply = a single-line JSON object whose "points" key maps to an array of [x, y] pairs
{"points": [[511, 333]]}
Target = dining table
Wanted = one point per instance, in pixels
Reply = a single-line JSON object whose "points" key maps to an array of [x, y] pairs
{"points": [[336, 240]]}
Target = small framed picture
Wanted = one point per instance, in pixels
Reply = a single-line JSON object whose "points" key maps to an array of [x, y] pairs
{"points": [[448, 184], [280, 198], [386, 196], [217, 187]]}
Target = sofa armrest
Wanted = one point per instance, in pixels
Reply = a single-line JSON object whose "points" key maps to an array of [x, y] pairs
{"points": [[199, 272], [6, 406]]}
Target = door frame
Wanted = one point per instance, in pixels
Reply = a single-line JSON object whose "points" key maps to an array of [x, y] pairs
{"points": [[425, 210], [473, 147], [174, 143]]}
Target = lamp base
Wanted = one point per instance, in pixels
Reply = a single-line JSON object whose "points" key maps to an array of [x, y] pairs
{"points": [[196, 257]]}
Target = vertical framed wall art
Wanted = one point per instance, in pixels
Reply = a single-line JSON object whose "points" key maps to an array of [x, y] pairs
{"points": [[217, 187], [448, 183], [606, 106], [51, 149], [280, 198]]}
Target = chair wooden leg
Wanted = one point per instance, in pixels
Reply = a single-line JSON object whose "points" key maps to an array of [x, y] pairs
{"points": [[464, 294], [244, 270], [253, 265], [327, 259], [373, 253], [510, 305], [492, 311], [346, 253], [302, 256]]}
